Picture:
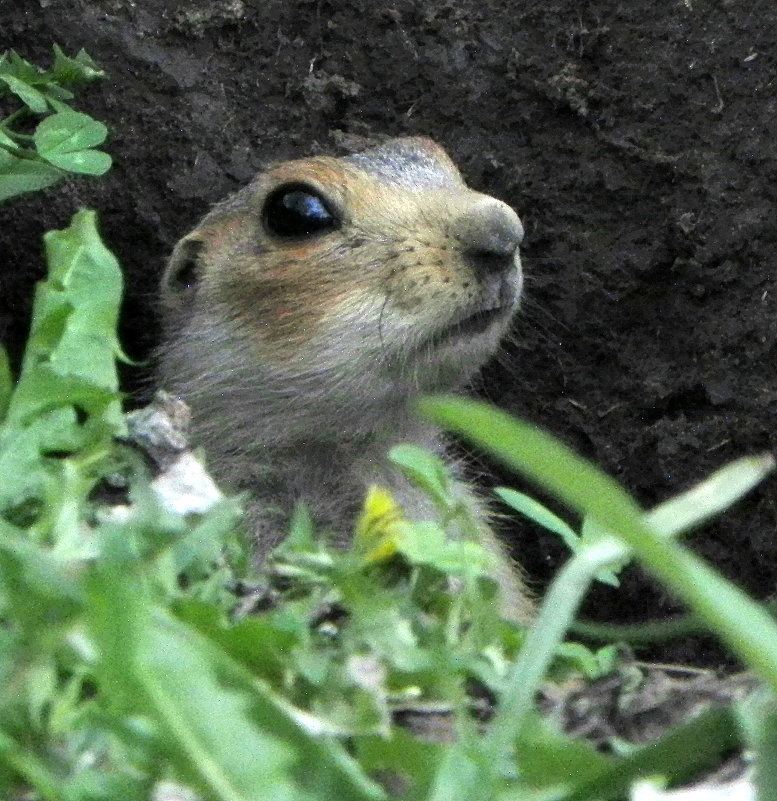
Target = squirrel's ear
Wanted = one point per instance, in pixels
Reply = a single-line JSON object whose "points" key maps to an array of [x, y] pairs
{"points": [[182, 274]]}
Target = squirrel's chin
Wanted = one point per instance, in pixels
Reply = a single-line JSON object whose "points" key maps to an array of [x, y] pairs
{"points": [[449, 356], [473, 325]]}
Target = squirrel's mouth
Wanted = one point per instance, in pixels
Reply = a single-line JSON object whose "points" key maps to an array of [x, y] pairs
{"points": [[471, 325]]}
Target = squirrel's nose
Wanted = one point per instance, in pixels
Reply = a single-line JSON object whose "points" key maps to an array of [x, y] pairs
{"points": [[490, 234]]}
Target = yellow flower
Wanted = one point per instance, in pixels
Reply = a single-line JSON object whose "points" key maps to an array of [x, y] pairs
{"points": [[380, 526]]}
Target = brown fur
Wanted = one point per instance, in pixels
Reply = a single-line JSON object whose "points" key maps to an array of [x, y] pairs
{"points": [[298, 355]]}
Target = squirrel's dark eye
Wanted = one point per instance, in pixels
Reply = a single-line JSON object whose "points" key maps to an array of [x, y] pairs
{"points": [[297, 210]]}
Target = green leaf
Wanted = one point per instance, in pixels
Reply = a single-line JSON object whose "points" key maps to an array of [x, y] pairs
{"points": [[161, 670], [55, 99], [710, 497], [548, 758], [6, 141], [85, 162], [404, 762], [539, 514], [461, 776], [6, 382], [19, 175], [758, 715], [302, 534], [259, 643], [31, 97], [426, 543], [69, 364], [11, 63], [37, 594], [74, 70], [678, 755], [26, 474], [75, 315], [64, 139], [226, 731], [426, 470], [573, 656]]}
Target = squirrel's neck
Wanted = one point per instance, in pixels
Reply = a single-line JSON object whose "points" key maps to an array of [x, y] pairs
{"points": [[279, 429], [328, 467], [318, 436]]}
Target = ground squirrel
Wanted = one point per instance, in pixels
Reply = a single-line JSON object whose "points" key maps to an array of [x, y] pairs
{"points": [[303, 313]]}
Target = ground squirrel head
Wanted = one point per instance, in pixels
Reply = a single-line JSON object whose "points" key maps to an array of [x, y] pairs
{"points": [[342, 282]]}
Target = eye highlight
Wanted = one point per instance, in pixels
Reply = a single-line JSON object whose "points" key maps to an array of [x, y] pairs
{"points": [[296, 210]]}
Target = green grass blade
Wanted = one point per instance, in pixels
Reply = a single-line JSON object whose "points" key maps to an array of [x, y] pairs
{"points": [[539, 456], [17, 758], [710, 497], [225, 730], [556, 613], [535, 511], [680, 754], [743, 624], [758, 719], [6, 382]]}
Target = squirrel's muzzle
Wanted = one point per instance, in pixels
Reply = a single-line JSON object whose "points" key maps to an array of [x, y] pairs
{"points": [[490, 233]]}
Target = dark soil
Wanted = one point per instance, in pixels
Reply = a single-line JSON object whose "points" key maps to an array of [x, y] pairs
{"points": [[637, 141]]}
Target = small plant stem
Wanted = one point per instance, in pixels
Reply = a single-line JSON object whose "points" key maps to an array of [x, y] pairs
{"points": [[11, 118], [747, 628], [553, 620], [34, 770], [640, 634], [649, 632]]}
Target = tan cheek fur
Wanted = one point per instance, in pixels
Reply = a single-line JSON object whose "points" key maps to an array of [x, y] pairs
{"points": [[282, 306], [277, 292]]}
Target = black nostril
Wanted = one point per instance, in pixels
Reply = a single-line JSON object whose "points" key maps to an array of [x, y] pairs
{"points": [[485, 261], [490, 234]]}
